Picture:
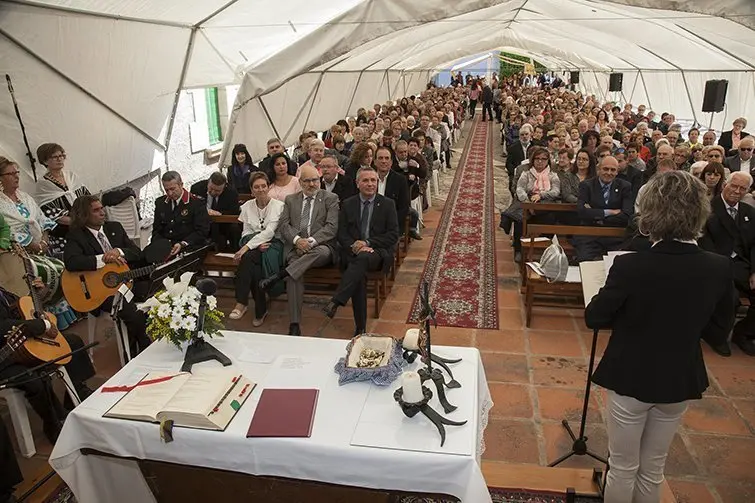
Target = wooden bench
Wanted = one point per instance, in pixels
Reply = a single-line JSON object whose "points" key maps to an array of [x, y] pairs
{"points": [[527, 234], [539, 291]]}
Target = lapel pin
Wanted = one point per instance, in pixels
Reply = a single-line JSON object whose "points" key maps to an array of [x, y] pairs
{"points": [[747, 219]]}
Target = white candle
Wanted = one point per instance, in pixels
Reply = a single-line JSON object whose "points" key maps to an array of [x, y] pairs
{"points": [[411, 339], [412, 387]]}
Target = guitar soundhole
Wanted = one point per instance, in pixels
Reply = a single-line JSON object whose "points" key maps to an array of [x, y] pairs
{"points": [[111, 279]]}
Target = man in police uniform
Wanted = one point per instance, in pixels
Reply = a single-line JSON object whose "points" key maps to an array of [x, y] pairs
{"points": [[181, 221]]}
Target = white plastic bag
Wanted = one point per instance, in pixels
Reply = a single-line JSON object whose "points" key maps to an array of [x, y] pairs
{"points": [[554, 262]]}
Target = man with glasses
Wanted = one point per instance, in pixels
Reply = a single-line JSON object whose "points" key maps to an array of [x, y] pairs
{"points": [[308, 227], [742, 160], [730, 231]]}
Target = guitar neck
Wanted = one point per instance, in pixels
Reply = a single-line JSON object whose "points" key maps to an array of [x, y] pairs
{"points": [[5, 352], [138, 273]]}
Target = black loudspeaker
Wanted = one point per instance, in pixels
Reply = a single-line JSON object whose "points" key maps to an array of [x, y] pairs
{"points": [[574, 78], [614, 83], [715, 95]]}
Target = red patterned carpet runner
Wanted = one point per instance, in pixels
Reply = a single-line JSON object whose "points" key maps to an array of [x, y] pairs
{"points": [[461, 268]]}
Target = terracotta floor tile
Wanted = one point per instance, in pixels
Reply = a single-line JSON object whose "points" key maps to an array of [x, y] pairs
{"points": [[395, 329], [408, 279], [511, 400], [559, 371], [714, 415], [503, 367], [691, 492], [558, 443], [402, 293], [509, 299], [680, 462], [735, 381], [339, 329], [737, 358], [452, 336], [726, 458], [554, 343], [511, 319], [602, 342], [551, 319], [562, 403], [507, 268], [511, 441], [394, 311], [502, 341], [735, 493], [747, 409]]}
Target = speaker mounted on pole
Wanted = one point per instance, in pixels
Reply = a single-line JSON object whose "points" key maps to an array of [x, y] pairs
{"points": [[714, 98], [615, 82], [574, 77]]}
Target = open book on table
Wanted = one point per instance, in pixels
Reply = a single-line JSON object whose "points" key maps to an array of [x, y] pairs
{"points": [[207, 399]]}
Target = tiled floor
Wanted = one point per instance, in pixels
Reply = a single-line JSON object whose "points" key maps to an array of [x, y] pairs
{"points": [[537, 376]]}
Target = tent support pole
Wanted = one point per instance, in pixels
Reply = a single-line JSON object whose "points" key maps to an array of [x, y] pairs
{"points": [[354, 94], [301, 110], [177, 95], [647, 94], [403, 81], [78, 86], [689, 97], [269, 119], [728, 53], [72, 10], [388, 85], [314, 97]]}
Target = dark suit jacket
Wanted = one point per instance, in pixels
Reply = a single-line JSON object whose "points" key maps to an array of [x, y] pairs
{"points": [[226, 203], [396, 188], [723, 236], [659, 304], [633, 176], [267, 168], [384, 230], [734, 163], [515, 156], [344, 188], [82, 247], [620, 198], [420, 173], [32, 327], [188, 222], [725, 140]]}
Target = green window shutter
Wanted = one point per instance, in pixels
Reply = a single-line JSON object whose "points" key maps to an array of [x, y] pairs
{"points": [[213, 117]]}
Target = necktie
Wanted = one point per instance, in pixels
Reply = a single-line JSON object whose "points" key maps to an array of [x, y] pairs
{"points": [[304, 227], [733, 213], [606, 193], [103, 242], [365, 227], [210, 202]]}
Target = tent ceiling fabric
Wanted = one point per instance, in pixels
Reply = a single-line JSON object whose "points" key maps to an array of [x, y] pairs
{"points": [[125, 59]]}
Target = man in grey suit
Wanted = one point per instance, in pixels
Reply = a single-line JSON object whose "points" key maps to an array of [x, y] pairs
{"points": [[742, 160], [308, 227]]}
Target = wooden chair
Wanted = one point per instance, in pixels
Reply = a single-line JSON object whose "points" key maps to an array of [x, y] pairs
{"points": [[528, 235], [539, 291]]}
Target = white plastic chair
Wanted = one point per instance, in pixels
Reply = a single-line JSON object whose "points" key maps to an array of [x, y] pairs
{"points": [[19, 415], [125, 356], [126, 213]]}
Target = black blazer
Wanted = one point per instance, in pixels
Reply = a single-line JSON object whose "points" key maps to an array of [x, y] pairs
{"points": [[32, 327], [515, 155], [188, 222], [620, 198], [723, 236], [82, 247], [397, 188], [725, 141], [226, 203], [344, 188], [659, 303], [633, 176], [267, 167], [384, 229]]}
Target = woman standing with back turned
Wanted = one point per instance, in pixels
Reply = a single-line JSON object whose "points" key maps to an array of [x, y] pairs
{"points": [[658, 303]]}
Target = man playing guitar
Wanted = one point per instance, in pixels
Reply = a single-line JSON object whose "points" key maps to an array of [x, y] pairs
{"points": [[90, 244]]}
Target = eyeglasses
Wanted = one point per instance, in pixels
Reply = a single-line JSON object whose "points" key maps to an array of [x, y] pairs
{"points": [[746, 149], [58, 157], [12, 173], [543, 159]]}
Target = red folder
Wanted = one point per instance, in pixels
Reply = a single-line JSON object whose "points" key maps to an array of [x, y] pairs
{"points": [[284, 413]]}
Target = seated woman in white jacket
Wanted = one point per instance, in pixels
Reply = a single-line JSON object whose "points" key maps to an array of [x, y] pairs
{"points": [[260, 219]]}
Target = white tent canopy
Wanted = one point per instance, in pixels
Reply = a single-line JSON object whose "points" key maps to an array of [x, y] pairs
{"points": [[102, 77]]}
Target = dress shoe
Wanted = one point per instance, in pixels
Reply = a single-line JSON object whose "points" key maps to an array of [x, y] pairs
{"points": [[330, 309], [266, 283], [293, 329], [256, 322], [359, 331], [415, 235], [722, 349], [746, 345], [518, 257]]}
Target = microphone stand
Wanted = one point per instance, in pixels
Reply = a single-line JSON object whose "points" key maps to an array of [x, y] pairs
{"points": [[32, 160], [200, 350]]}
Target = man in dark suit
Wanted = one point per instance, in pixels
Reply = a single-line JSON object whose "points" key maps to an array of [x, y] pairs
{"points": [[730, 231], [181, 221], [90, 244], [393, 185], [603, 201], [331, 181], [517, 152], [628, 173], [10, 473], [274, 146], [368, 234], [221, 199], [743, 158]]}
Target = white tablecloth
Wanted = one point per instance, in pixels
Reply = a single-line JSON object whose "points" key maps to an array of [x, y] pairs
{"points": [[327, 456]]}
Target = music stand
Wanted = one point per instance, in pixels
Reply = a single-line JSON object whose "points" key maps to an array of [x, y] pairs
{"points": [[174, 268], [124, 349]]}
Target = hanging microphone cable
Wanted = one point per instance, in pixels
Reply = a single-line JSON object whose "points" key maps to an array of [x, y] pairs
{"points": [[32, 160]]}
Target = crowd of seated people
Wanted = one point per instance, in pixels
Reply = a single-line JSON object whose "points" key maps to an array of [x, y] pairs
{"points": [[601, 157]]}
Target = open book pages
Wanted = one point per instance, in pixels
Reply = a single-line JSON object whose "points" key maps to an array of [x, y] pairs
{"points": [[206, 399]]}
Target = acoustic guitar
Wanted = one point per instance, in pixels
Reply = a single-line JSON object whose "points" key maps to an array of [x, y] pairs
{"points": [[86, 290], [13, 340], [42, 348]]}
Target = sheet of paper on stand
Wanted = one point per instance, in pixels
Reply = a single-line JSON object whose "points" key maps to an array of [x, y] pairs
{"points": [[593, 278], [608, 259], [225, 255], [573, 275], [536, 240]]}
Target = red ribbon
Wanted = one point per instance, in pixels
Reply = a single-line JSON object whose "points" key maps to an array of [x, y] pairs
{"points": [[118, 389]]}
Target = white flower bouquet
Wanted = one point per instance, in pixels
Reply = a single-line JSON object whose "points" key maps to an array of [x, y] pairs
{"points": [[173, 312]]}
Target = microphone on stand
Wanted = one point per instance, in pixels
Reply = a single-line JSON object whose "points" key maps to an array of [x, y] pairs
{"points": [[206, 286]]}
